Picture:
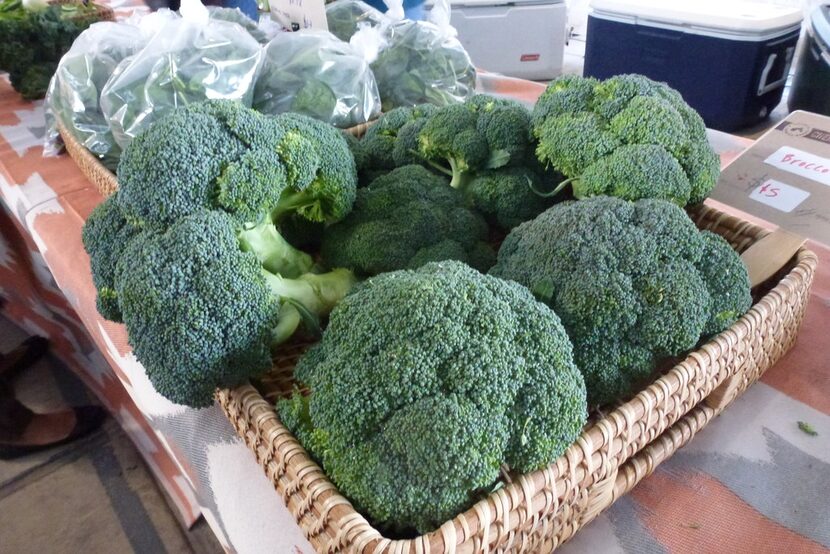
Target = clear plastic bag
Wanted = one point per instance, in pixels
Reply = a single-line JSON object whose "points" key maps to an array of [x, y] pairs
{"points": [[345, 17], [423, 62], [74, 91], [191, 58], [235, 15], [318, 75]]}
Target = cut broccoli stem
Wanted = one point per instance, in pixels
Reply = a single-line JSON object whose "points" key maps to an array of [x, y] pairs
{"points": [[440, 168], [273, 251], [559, 188], [310, 295]]}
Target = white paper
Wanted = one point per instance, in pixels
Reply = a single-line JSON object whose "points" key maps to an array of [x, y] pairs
{"points": [[801, 163], [778, 195]]}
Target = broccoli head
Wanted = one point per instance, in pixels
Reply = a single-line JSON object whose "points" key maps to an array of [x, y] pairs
{"points": [[220, 155], [624, 130], [202, 312], [404, 217], [425, 383], [634, 282], [105, 234], [378, 144]]}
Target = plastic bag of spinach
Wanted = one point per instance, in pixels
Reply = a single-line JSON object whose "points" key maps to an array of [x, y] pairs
{"points": [[423, 63], [74, 93], [191, 58], [316, 74], [345, 16], [235, 15]]}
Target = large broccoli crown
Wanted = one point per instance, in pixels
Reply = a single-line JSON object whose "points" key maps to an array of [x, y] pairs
{"points": [[105, 234], [633, 282], [201, 309], [220, 155], [581, 123], [198, 309], [426, 382], [406, 216]]}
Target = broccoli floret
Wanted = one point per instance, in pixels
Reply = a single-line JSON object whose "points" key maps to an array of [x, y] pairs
{"points": [[587, 128], [505, 197], [106, 233], [634, 282], [201, 312], [635, 171], [425, 383], [572, 142], [221, 155], [329, 196], [378, 144], [403, 216], [726, 278], [483, 133], [568, 94], [702, 166]]}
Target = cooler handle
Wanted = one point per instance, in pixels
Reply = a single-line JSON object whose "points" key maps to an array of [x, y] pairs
{"points": [[763, 87]]}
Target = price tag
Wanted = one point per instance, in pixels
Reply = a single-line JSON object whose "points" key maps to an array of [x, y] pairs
{"points": [[300, 14], [780, 196]]}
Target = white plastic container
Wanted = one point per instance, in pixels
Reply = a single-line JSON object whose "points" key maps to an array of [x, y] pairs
{"points": [[524, 38], [728, 58]]}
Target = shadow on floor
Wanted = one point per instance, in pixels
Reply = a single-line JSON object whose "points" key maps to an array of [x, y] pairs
{"points": [[94, 495]]}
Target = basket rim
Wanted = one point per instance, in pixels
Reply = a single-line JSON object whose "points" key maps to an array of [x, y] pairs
{"points": [[359, 534]]}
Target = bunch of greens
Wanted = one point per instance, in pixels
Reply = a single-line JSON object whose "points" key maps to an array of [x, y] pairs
{"points": [[315, 74], [346, 16], [34, 39], [184, 62], [422, 64]]}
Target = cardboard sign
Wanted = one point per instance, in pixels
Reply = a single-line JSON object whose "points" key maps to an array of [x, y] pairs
{"points": [[785, 177], [300, 14]]}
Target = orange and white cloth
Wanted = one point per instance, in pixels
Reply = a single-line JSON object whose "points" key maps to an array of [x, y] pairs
{"points": [[751, 482]]}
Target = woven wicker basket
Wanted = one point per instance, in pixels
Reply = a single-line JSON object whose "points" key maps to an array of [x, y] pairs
{"points": [[543, 509], [539, 510], [103, 179]]}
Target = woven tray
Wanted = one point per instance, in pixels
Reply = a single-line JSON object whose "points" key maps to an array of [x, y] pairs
{"points": [[103, 179], [543, 509]]}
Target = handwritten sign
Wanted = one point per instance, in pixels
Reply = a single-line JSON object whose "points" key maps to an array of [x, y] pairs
{"points": [[780, 196], [300, 14], [801, 163], [784, 177]]}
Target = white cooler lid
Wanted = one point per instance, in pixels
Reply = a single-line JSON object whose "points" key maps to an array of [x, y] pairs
{"points": [[482, 3], [745, 16]]}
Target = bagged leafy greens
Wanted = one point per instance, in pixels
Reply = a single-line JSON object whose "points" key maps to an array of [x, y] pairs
{"points": [[191, 58], [423, 61], [346, 16], [235, 15], [75, 89], [318, 75]]}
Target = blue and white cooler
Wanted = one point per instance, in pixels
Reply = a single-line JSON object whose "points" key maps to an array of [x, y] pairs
{"points": [[728, 58]]}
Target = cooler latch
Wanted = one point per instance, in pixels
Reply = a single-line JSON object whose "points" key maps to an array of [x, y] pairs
{"points": [[763, 86]]}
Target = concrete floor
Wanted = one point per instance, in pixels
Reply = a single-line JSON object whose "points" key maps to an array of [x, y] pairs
{"points": [[94, 495]]}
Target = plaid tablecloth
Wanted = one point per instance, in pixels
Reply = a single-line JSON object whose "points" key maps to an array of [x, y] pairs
{"points": [[751, 482]]}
